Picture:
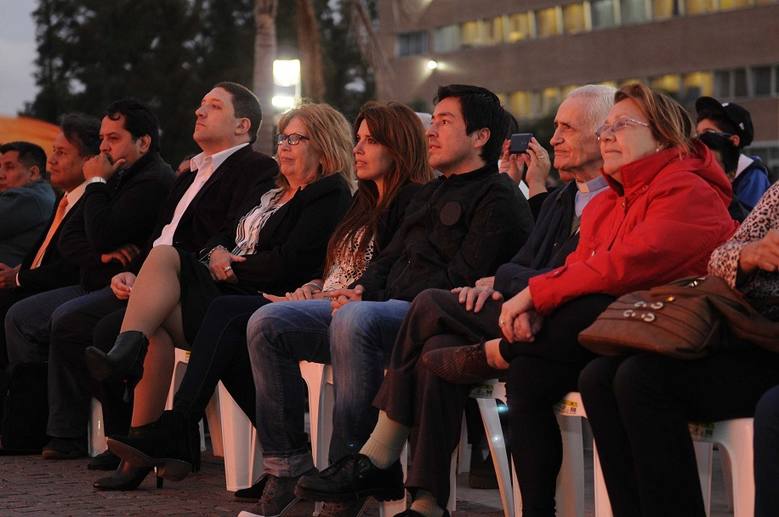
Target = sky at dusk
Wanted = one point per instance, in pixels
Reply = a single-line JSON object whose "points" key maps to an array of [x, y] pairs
{"points": [[17, 54]]}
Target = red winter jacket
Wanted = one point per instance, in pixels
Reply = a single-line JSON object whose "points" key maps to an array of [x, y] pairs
{"points": [[660, 224]]}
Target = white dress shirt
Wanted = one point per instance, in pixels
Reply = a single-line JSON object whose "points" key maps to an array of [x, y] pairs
{"points": [[205, 165]]}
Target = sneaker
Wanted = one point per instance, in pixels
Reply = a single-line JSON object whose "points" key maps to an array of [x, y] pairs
{"points": [[64, 449], [352, 478], [343, 509]]}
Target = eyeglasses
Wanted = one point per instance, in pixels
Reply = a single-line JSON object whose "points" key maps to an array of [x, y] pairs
{"points": [[618, 126], [293, 139]]}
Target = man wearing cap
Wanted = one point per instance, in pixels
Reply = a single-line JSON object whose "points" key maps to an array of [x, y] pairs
{"points": [[727, 129]]}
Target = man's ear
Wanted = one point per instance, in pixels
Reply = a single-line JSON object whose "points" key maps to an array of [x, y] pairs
{"points": [[735, 140], [243, 126], [35, 173], [144, 143], [481, 137]]}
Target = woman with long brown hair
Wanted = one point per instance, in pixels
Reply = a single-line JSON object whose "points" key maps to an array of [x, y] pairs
{"points": [[390, 164]]}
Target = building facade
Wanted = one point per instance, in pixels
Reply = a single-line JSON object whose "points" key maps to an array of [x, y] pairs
{"points": [[532, 52]]}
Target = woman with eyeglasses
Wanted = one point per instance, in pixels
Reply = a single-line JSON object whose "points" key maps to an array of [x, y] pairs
{"points": [[391, 164], [275, 247], [665, 211]]}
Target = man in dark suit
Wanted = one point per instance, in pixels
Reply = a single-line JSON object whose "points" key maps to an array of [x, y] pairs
{"points": [[224, 182], [44, 268]]}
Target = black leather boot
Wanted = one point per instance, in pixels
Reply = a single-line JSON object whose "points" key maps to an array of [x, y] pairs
{"points": [[127, 477], [172, 446], [123, 361]]}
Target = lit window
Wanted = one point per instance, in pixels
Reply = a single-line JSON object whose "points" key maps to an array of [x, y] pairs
{"points": [[520, 104], [469, 32], [670, 83], [602, 14], [550, 99], [662, 9], [699, 6], [761, 80], [565, 91], [412, 43], [698, 84], [518, 27], [633, 11], [446, 39], [573, 18], [547, 22], [496, 30], [725, 5]]}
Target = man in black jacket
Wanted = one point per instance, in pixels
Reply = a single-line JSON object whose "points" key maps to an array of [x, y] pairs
{"points": [[224, 182], [44, 268], [412, 400], [456, 229]]}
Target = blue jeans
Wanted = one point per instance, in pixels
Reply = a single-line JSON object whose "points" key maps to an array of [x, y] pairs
{"points": [[767, 454], [358, 339], [28, 323]]}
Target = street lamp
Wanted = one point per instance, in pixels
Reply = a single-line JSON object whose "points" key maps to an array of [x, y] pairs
{"points": [[286, 80]]}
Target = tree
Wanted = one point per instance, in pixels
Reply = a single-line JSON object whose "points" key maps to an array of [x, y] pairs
{"points": [[264, 54]]}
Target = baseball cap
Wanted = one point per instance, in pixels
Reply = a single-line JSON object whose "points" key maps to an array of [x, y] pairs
{"points": [[735, 114]]}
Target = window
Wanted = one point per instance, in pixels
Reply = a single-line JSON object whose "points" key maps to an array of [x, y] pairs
{"points": [[469, 32], [670, 83], [547, 22], [722, 84], [633, 11], [662, 9], [725, 5], [574, 19], [698, 84], [602, 14], [412, 43], [699, 6], [550, 98], [520, 104], [496, 30], [446, 39], [761, 81], [740, 83], [518, 27]]}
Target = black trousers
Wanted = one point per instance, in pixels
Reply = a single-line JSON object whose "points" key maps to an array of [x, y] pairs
{"points": [[541, 373], [639, 408], [413, 396], [219, 353]]}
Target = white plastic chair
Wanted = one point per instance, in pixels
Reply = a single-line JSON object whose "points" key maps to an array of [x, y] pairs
{"points": [[319, 381]]}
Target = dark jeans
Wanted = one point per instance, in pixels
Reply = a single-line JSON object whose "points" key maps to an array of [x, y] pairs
{"points": [[218, 353], [767, 454], [541, 373], [639, 408], [413, 396], [357, 339]]}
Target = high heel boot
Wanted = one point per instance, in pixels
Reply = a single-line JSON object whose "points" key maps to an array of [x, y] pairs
{"points": [[127, 477], [123, 361], [172, 447]]}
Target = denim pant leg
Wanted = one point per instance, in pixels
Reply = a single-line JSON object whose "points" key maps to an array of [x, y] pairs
{"points": [[767, 454], [70, 385], [362, 335], [27, 324], [279, 335]]}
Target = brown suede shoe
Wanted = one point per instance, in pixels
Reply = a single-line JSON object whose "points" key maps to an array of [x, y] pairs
{"points": [[461, 364]]}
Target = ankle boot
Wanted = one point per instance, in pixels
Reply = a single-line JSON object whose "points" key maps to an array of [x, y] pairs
{"points": [[172, 446], [127, 477], [124, 360]]}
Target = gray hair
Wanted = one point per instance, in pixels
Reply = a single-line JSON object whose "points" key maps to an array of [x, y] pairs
{"points": [[601, 99]]}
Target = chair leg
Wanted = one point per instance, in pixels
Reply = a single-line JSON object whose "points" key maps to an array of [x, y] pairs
{"points": [[600, 494], [735, 437], [96, 429], [703, 457], [239, 443], [570, 481], [489, 415]]}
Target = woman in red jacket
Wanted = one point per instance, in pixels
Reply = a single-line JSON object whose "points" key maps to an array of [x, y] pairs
{"points": [[666, 210]]}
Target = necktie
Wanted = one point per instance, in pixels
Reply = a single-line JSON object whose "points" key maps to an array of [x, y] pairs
{"points": [[55, 224]]}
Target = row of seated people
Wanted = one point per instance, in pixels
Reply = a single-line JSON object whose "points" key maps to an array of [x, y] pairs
{"points": [[357, 281]]}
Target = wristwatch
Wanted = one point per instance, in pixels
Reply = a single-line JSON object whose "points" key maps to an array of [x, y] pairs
{"points": [[97, 179]]}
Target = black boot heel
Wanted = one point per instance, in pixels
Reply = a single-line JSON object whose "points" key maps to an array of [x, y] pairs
{"points": [[124, 360], [173, 470]]}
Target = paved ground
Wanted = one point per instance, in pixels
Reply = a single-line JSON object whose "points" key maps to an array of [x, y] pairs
{"points": [[32, 486]]}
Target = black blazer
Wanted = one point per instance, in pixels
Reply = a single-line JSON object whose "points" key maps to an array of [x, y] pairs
{"points": [[122, 211], [293, 242], [233, 189], [55, 271]]}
